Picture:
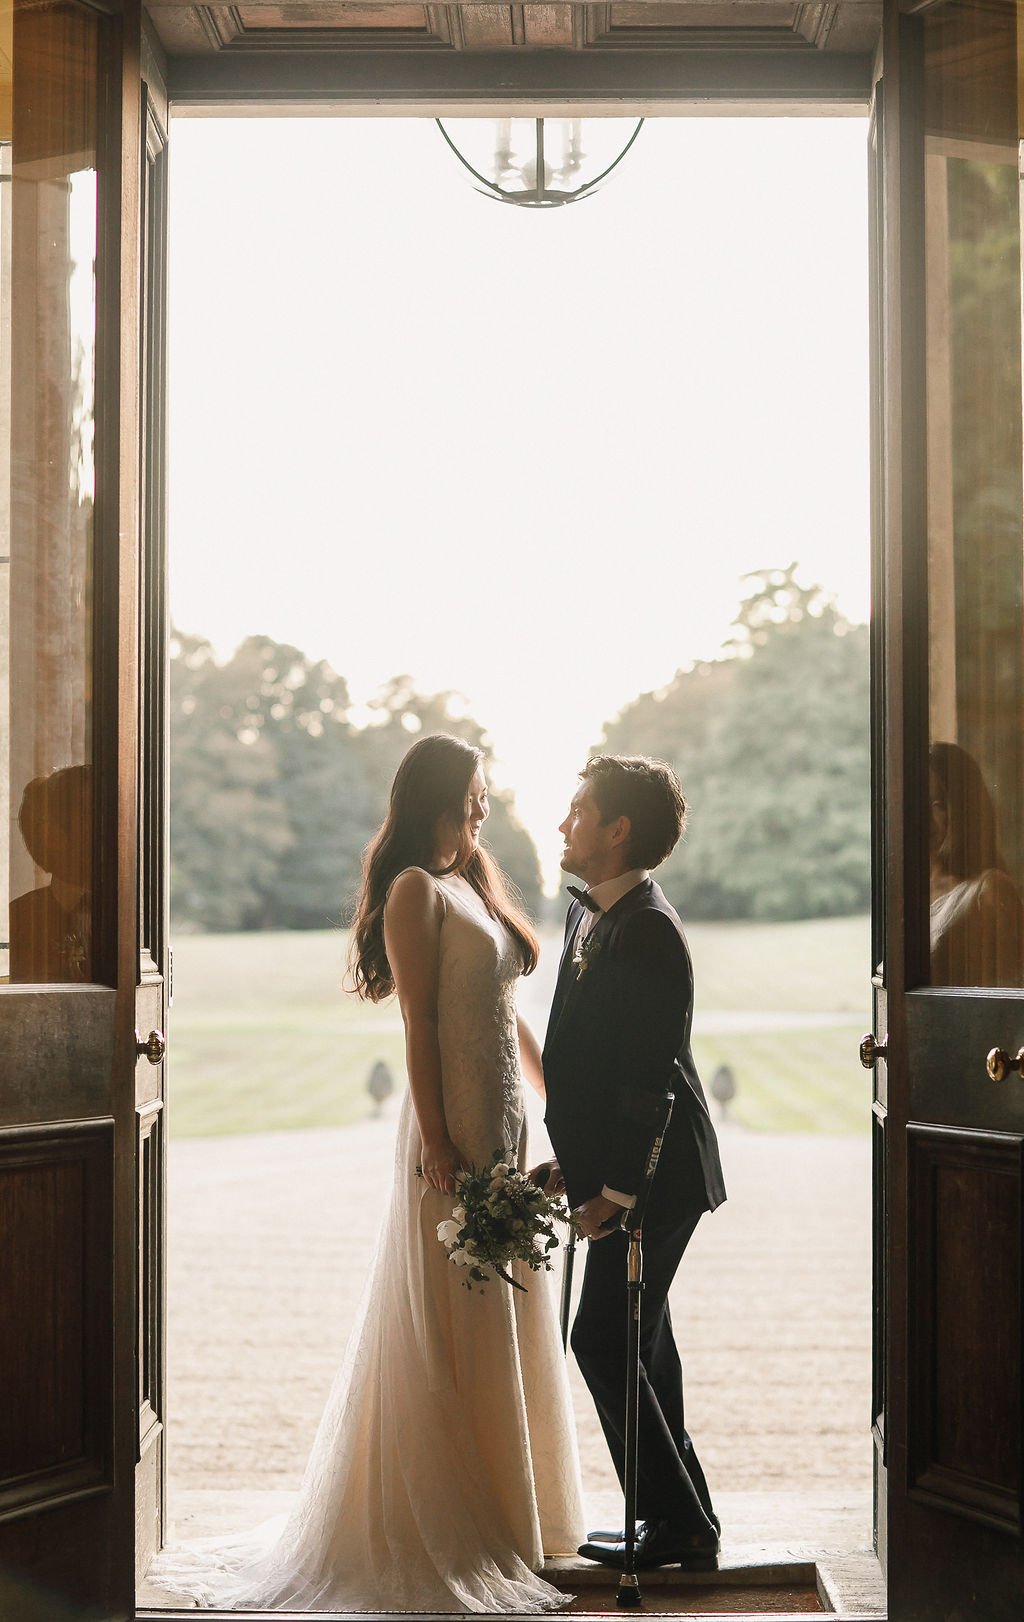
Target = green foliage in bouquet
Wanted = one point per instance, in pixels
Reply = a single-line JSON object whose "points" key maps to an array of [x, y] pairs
{"points": [[501, 1217]]}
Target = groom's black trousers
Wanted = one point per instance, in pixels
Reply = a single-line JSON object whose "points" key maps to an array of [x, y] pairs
{"points": [[670, 1481]]}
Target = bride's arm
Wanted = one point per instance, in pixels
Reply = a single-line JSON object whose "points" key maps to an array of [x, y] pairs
{"points": [[412, 932], [529, 1053], [533, 1070]]}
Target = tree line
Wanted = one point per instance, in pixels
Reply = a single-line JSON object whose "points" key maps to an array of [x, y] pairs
{"points": [[771, 743], [276, 791]]}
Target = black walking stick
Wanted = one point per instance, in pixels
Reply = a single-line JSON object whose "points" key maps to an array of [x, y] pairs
{"points": [[570, 1257], [628, 1596]]}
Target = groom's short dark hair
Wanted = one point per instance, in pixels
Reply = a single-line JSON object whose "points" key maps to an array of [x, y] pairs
{"points": [[647, 792]]}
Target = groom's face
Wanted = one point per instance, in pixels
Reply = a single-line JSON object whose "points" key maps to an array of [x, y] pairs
{"points": [[588, 843]]}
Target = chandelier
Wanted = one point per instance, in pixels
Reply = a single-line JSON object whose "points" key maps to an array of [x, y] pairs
{"points": [[541, 162]]}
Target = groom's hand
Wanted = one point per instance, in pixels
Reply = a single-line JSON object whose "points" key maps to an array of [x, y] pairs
{"points": [[598, 1217]]}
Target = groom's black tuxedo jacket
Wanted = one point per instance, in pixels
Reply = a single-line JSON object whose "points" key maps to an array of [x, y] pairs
{"points": [[618, 1039]]}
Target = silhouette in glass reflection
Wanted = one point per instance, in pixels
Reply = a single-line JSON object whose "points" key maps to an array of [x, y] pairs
{"points": [[977, 920], [51, 926]]}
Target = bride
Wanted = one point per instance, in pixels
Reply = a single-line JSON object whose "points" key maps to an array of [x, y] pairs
{"points": [[445, 1466]]}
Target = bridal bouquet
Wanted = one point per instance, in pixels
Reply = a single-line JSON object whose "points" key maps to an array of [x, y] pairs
{"points": [[500, 1217]]}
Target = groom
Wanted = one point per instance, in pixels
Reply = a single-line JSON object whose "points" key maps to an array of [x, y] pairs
{"points": [[618, 1039]]}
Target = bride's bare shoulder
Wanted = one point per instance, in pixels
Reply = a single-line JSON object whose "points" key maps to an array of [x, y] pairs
{"points": [[413, 892]]}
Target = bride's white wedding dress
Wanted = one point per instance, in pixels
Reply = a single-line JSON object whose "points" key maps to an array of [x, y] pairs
{"points": [[445, 1466]]}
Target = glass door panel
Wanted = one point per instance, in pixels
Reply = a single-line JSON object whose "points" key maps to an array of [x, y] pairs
{"points": [[48, 227], [975, 495]]}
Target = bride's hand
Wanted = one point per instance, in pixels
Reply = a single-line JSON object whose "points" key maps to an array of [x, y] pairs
{"points": [[548, 1176], [439, 1163]]}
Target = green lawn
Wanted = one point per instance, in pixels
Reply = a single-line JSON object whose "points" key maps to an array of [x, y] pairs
{"points": [[818, 964], [262, 1037], [792, 1081]]}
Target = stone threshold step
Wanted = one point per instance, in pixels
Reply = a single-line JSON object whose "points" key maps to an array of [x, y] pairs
{"points": [[733, 1571]]}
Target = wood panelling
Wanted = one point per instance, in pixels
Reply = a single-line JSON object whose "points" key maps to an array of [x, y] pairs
{"points": [[56, 1053], [149, 1510], [55, 49], [150, 1349], [966, 1303], [486, 28], [67, 1358], [56, 1192], [41, 1208], [150, 996], [150, 1015], [711, 25], [326, 15], [546, 26], [800, 80], [321, 26], [768, 14], [475, 26], [150, 1258]]}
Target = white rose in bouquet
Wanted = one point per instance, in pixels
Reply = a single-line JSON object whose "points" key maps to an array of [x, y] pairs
{"points": [[501, 1217]]}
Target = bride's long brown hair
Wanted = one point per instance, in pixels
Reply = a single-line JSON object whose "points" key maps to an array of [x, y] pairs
{"points": [[432, 782]]}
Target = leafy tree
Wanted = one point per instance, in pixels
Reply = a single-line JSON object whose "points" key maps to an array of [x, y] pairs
{"points": [[299, 708], [275, 793], [228, 830], [402, 714], [771, 744]]}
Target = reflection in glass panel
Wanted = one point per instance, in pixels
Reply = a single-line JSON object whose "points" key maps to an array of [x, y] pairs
{"points": [[975, 494], [48, 214]]}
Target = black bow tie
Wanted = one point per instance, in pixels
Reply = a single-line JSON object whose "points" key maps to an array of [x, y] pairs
{"points": [[584, 898]]}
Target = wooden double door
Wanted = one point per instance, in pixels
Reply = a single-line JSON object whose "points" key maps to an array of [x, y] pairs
{"points": [[83, 936], [83, 940]]}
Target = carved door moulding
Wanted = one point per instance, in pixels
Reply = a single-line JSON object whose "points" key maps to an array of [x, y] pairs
{"points": [[965, 1440], [56, 1208], [470, 25]]}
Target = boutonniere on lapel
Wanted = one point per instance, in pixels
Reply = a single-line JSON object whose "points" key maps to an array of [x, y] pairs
{"points": [[586, 953]]}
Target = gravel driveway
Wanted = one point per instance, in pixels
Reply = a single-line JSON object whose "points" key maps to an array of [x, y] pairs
{"points": [[270, 1237]]}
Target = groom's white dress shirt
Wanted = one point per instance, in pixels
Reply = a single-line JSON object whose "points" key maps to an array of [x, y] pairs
{"points": [[606, 895]]}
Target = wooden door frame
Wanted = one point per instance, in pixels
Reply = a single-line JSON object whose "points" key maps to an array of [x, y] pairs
{"points": [[153, 844], [117, 697], [919, 1127], [75, 1536], [672, 83], [902, 604]]}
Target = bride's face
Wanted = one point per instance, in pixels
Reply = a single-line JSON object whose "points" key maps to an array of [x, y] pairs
{"points": [[478, 806], [477, 810]]}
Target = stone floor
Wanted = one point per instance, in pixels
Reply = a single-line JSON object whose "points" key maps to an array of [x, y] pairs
{"points": [[778, 1550], [269, 1243]]}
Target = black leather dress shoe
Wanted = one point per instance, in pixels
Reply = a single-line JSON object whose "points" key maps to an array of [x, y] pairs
{"points": [[659, 1544], [614, 1537], [620, 1535]]}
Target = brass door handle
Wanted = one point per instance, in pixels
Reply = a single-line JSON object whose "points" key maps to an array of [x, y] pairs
{"points": [[999, 1063], [871, 1051], [151, 1047]]}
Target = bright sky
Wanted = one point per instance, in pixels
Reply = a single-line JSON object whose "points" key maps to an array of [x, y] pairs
{"points": [[526, 456]]}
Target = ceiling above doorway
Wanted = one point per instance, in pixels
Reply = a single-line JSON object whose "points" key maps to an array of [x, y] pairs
{"points": [[773, 26]]}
